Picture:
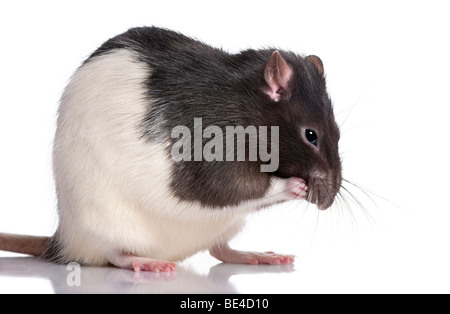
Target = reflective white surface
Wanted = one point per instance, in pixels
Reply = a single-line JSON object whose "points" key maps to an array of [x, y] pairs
{"points": [[367, 259], [53, 278]]}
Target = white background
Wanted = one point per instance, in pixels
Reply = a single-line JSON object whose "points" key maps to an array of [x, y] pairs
{"points": [[387, 66]]}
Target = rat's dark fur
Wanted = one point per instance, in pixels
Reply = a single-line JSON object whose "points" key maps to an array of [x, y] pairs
{"points": [[192, 80]]}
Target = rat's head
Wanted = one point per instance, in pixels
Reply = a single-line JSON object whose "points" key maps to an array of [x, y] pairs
{"points": [[309, 134]]}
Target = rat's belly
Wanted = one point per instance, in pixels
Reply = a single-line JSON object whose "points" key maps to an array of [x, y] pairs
{"points": [[145, 233], [175, 238]]}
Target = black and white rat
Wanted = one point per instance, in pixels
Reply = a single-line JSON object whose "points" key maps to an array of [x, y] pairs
{"points": [[123, 199]]}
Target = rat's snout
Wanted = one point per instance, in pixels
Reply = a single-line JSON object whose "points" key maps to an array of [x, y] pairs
{"points": [[323, 188]]}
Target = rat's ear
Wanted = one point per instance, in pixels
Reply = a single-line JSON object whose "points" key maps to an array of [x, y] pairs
{"points": [[317, 63], [277, 75]]}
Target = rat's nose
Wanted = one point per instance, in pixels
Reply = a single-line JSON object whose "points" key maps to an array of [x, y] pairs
{"points": [[321, 192], [325, 205]]}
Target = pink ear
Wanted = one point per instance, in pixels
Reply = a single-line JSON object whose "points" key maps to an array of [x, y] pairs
{"points": [[277, 75], [317, 63]]}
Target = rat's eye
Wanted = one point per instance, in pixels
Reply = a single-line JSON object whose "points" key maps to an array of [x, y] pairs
{"points": [[311, 136]]}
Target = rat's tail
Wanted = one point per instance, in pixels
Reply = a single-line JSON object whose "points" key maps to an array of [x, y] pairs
{"points": [[31, 245]]}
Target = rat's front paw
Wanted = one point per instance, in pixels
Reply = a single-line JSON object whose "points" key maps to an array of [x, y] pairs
{"points": [[297, 188]]}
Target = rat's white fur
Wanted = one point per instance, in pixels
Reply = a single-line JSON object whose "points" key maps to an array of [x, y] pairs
{"points": [[113, 185]]}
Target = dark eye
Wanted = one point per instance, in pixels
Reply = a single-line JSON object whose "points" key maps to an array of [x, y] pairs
{"points": [[311, 136]]}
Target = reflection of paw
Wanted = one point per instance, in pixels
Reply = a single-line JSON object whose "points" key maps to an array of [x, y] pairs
{"points": [[297, 188], [122, 276], [128, 261], [152, 265]]}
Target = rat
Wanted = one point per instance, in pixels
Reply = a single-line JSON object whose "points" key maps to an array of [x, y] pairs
{"points": [[124, 200]]}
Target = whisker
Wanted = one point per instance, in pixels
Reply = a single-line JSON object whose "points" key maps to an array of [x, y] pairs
{"points": [[354, 105], [342, 203], [315, 228], [352, 196], [367, 192], [349, 208], [356, 201], [302, 217]]}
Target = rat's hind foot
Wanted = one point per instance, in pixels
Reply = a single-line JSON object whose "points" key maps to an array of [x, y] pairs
{"points": [[227, 255], [127, 261]]}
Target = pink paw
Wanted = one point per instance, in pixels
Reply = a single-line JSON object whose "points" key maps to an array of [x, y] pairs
{"points": [[270, 258], [227, 255], [297, 188], [148, 264]]}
